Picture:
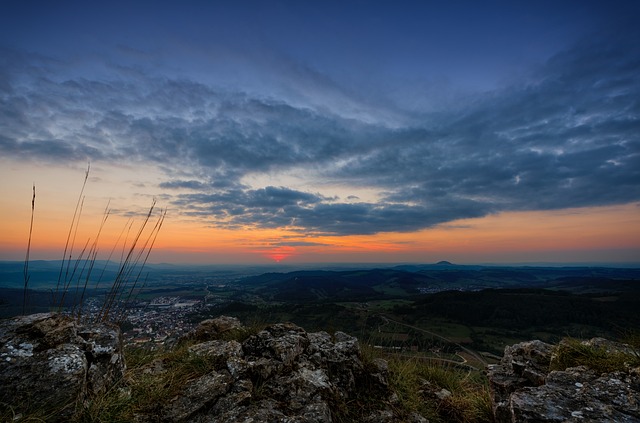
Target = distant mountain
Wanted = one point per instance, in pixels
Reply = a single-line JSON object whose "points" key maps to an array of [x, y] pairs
{"points": [[439, 265]]}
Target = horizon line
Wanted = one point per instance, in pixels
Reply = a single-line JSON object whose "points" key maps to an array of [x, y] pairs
{"points": [[374, 264]]}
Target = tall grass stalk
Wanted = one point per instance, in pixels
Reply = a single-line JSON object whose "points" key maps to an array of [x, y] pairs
{"points": [[26, 259], [135, 259], [93, 254], [68, 279], [79, 270], [148, 247], [74, 223]]}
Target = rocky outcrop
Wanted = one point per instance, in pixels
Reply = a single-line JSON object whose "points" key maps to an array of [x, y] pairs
{"points": [[49, 362], [281, 374], [54, 365], [525, 390]]}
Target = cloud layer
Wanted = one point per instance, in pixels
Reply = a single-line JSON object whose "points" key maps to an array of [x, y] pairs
{"points": [[567, 135]]}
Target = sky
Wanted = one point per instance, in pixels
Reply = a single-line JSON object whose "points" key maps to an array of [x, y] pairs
{"points": [[324, 131]]}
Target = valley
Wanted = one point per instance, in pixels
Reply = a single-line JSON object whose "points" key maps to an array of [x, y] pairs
{"points": [[455, 314]]}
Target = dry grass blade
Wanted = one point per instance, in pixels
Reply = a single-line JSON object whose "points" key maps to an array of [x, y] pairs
{"points": [[148, 246], [93, 254], [74, 224], [132, 261], [26, 259], [78, 268]]}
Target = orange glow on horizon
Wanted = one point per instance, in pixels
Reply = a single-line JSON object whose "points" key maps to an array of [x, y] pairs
{"points": [[278, 254], [588, 234]]}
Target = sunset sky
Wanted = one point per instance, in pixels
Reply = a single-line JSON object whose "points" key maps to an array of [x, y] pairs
{"points": [[325, 131]]}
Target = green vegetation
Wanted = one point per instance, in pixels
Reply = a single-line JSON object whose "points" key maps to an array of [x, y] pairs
{"points": [[483, 321], [573, 352], [440, 392], [437, 391]]}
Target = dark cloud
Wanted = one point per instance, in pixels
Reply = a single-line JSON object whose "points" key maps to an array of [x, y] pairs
{"points": [[53, 149], [313, 215], [568, 136], [269, 207]]}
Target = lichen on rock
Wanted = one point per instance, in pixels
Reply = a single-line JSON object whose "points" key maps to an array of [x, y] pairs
{"points": [[50, 363], [281, 373], [524, 388]]}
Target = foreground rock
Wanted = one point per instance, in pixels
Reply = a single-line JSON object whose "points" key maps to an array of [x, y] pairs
{"points": [[213, 329], [49, 363], [51, 366], [525, 390], [281, 374]]}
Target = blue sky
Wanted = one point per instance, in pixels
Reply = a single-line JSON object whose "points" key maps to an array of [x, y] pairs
{"points": [[329, 118]]}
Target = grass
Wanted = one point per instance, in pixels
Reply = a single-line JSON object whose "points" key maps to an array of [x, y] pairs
{"points": [[153, 378], [77, 268], [32, 408], [573, 352], [440, 392], [26, 259], [33, 415], [415, 382]]}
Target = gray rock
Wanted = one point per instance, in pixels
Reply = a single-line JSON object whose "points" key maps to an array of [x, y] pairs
{"points": [[217, 349], [283, 342], [524, 390], [103, 349], [578, 394], [197, 396], [523, 365], [281, 374], [213, 328], [49, 361]]}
